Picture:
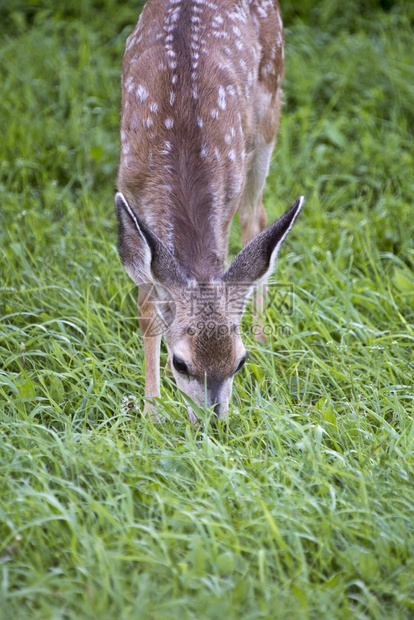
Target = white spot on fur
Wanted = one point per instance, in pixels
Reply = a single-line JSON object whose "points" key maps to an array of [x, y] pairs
{"points": [[214, 114], [174, 79], [221, 100], [238, 14], [220, 34], [154, 108], [268, 68], [199, 122], [175, 15], [142, 93], [203, 151], [217, 154], [130, 43], [149, 122], [172, 97], [169, 123], [232, 155], [231, 90]]}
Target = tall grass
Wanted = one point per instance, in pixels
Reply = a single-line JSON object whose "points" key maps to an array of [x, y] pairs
{"points": [[303, 507]]}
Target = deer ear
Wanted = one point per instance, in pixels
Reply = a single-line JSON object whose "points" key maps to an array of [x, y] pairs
{"points": [[257, 259], [145, 258]]}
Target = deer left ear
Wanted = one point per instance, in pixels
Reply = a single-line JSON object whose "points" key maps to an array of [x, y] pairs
{"points": [[145, 258], [257, 259]]}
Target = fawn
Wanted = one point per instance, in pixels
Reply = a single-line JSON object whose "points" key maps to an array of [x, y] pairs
{"points": [[201, 96]]}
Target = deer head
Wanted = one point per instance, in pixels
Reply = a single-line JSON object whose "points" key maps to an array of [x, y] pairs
{"points": [[201, 319]]}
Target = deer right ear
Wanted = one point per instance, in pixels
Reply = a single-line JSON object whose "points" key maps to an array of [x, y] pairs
{"points": [[145, 258], [257, 259], [133, 248]]}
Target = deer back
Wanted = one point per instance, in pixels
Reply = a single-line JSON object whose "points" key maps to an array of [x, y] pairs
{"points": [[200, 92]]}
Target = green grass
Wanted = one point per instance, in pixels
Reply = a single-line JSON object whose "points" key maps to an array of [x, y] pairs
{"points": [[304, 507]]}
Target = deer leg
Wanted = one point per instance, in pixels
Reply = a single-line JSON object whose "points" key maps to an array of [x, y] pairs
{"points": [[253, 219], [147, 314]]}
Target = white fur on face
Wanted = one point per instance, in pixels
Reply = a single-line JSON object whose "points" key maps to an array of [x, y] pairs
{"points": [[198, 390]]}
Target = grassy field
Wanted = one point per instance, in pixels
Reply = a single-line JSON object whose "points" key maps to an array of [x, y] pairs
{"points": [[304, 506]]}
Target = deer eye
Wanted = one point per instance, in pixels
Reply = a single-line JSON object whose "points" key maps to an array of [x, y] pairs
{"points": [[241, 364], [180, 366]]}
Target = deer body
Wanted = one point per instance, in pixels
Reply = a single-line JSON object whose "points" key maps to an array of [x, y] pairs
{"points": [[200, 108]]}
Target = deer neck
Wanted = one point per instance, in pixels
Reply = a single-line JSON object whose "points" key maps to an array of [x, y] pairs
{"points": [[186, 209]]}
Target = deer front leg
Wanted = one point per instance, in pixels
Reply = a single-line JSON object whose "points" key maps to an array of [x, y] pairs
{"points": [[147, 314]]}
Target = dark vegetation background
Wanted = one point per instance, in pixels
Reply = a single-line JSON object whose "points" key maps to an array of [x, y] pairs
{"points": [[303, 507]]}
